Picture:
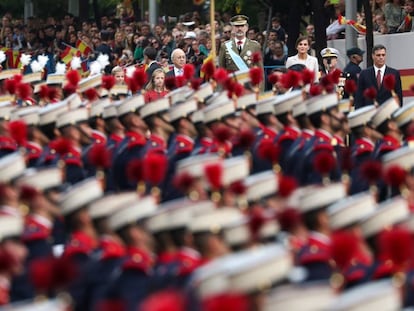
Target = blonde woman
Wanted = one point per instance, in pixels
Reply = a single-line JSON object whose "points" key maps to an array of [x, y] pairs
{"points": [[156, 87]]}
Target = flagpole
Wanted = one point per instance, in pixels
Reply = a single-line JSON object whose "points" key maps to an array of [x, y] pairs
{"points": [[213, 30]]}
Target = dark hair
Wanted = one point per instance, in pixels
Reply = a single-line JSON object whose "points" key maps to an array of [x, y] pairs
{"points": [[150, 52], [300, 39], [378, 47]]}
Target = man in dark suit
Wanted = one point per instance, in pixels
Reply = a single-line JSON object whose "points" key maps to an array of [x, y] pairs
{"points": [[179, 60], [150, 55], [373, 77]]}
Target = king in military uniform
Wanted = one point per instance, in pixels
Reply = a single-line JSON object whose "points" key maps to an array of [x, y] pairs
{"points": [[236, 54]]}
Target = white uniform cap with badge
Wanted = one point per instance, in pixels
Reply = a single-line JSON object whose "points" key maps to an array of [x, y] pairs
{"points": [[246, 101], [321, 103], [10, 227], [265, 106], [388, 213], [80, 195], [180, 94], [55, 79], [403, 157], [295, 297], [97, 108], [153, 108], [182, 110], [284, 103], [109, 204], [131, 212], [350, 210], [90, 82], [245, 272], [374, 295], [30, 115], [239, 20], [72, 117], [216, 221], [315, 197], [385, 112], [299, 108], [110, 111], [204, 91], [11, 166], [261, 185], [194, 166], [119, 89], [235, 169], [197, 116], [405, 114], [9, 73], [32, 77], [48, 114], [219, 110], [130, 104], [361, 116], [41, 179], [74, 101], [329, 52]]}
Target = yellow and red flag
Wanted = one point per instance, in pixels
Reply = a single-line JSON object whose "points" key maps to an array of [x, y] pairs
{"points": [[83, 48], [13, 58], [67, 54], [361, 29]]}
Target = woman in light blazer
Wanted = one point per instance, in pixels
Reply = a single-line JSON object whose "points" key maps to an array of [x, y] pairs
{"points": [[303, 58]]}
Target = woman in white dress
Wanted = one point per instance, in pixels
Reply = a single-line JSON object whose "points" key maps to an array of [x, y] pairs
{"points": [[303, 58]]}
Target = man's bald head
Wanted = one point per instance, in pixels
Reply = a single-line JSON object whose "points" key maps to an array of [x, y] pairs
{"points": [[178, 58]]}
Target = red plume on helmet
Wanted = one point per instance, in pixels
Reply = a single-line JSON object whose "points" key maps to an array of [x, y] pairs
{"points": [[370, 93], [111, 305], [289, 219], [91, 94], [308, 76], [344, 246], [132, 85], [195, 83], [256, 57], [336, 75], [350, 86], [44, 91], [222, 133], [389, 82], [170, 83], [395, 175], [287, 184], [315, 90], [396, 245], [73, 77], [245, 139], [214, 173], [208, 69], [11, 84], [24, 91], [290, 79], [155, 167], [220, 75], [257, 219], [273, 78], [256, 75], [18, 131], [188, 71], [183, 182], [140, 77], [108, 82], [69, 89], [269, 151], [180, 81], [99, 156], [324, 162], [238, 188]]}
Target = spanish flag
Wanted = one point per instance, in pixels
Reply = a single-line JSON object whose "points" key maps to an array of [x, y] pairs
{"points": [[207, 59], [361, 29], [83, 48], [68, 53], [13, 58]]}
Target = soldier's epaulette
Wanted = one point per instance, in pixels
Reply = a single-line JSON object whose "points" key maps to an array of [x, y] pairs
{"points": [[387, 146]]}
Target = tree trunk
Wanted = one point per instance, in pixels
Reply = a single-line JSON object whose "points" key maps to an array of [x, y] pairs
{"points": [[83, 10]]}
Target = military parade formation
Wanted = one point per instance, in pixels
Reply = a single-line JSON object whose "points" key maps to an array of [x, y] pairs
{"points": [[218, 196]]}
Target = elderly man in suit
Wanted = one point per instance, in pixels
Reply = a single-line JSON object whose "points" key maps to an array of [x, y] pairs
{"points": [[179, 60], [373, 77], [236, 53]]}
